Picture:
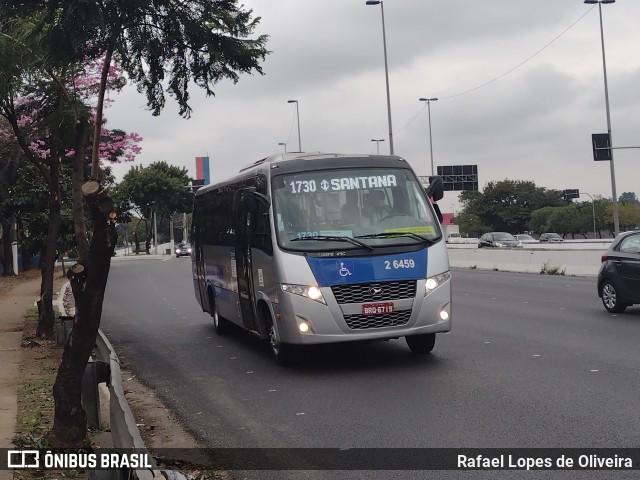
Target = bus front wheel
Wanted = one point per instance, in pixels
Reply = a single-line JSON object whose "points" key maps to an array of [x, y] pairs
{"points": [[283, 353], [421, 343], [220, 324]]}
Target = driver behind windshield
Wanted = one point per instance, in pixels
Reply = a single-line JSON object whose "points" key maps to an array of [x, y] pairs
{"points": [[378, 209]]}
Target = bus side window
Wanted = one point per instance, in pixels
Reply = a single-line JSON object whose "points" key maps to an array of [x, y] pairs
{"points": [[261, 237]]}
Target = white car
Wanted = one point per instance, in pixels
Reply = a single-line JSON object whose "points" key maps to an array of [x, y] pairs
{"points": [[454, 238], [524, 238]]}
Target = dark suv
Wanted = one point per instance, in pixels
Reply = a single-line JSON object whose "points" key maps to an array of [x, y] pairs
{"points": [[619, 276], [550, 237]]}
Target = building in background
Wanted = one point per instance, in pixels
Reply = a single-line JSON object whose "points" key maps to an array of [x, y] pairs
{"points": [[202, 169]]}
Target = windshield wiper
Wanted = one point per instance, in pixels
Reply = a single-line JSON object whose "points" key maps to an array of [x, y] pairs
{"points": [[331, 238], [415, 236]]}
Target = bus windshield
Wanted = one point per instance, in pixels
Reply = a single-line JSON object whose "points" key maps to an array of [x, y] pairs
{"points": [[329, 209]]}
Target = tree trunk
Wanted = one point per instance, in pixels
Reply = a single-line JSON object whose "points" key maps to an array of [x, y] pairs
{"points": [[79, 164], [26, 258], [136, 242], [46, 315], [88, 283], [147, 242], [7, 257]]}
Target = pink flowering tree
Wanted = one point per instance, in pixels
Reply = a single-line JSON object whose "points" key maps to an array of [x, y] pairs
{"points": [[43, 114]]}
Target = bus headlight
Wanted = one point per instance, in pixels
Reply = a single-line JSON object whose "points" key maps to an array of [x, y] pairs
{"points": [[434, 282], [311, 292]]}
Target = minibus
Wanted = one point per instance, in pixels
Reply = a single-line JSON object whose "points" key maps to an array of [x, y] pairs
{"points": [[312, 248]]}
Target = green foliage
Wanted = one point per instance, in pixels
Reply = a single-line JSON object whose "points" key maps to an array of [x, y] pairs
{"points": [[628, 198], [29, 202], [165, 44], [504, 205], [578, 218], [629, 215], [160, 187], [549, 270]]}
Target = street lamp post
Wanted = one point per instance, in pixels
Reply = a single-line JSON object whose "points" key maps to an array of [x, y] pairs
{"points": [[429, 100], [298, 118], [285, 146], [593, 210], [377, 140], [386, 70], [614, 200]]}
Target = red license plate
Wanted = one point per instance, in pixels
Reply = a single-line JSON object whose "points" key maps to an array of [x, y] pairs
{"points": [[379, 308]]}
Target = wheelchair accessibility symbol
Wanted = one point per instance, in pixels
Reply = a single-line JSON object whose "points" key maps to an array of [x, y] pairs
{"points": [[345, 270]]}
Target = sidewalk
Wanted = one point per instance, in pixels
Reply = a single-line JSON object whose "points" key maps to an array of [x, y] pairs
{"points": [[13, 306]]}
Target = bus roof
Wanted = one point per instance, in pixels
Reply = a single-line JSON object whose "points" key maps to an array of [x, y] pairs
{"points": [[285, 157], [291, 160]]}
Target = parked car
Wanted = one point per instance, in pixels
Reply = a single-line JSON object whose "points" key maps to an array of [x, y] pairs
{"points": [[183, 250], [498, 239], [619, 276], [551, 237], [454, 238], [524, 238]]}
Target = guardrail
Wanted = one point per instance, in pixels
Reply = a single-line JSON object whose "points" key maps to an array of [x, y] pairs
{"points": [[105, 368], [124, 430]]}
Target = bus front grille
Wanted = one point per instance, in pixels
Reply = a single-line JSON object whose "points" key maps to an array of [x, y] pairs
{"points": [[395, 319], [374, 292]]}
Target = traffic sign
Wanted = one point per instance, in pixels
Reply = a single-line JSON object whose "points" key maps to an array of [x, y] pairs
{"points": [[570, 193], [601, 143]]}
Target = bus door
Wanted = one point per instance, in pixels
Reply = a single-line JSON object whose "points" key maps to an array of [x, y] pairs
{"points": [[198, 263], [244, 231]]}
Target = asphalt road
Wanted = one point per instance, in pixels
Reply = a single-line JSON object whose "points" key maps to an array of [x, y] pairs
{"points": [[532, 361]]}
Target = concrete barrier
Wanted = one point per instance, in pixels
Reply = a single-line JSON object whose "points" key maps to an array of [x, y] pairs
{"points": [[574, 261]]}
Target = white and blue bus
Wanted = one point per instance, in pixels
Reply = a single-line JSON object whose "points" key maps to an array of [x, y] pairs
{"points": [[309, 248]]}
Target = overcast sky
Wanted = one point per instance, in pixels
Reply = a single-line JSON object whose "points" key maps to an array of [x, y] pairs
{"points": [[533, 123]]}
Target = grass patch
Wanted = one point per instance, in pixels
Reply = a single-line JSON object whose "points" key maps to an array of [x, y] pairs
{"points": [[39, 364], [549, 270], [37, 372]]}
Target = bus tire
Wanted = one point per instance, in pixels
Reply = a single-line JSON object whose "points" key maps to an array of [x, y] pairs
{"points": [[220, 323], [421, 344], [284, 354]]}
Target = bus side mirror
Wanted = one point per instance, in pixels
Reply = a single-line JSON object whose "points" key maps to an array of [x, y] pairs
{"points": [[435, 189]]}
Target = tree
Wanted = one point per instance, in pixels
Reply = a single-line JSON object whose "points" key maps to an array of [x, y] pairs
{"points": [[10, 156], [201, 42], [42, 103], [469, 216], [628, 198], [158, 188], [540, 221], [629, 216], [32, 112], [505, 205]]}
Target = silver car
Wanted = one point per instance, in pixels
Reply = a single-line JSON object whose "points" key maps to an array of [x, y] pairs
{"points": [[524, 238]]}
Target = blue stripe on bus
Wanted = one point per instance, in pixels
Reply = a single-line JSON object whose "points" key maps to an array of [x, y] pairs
{"points": [[380, 268]]}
